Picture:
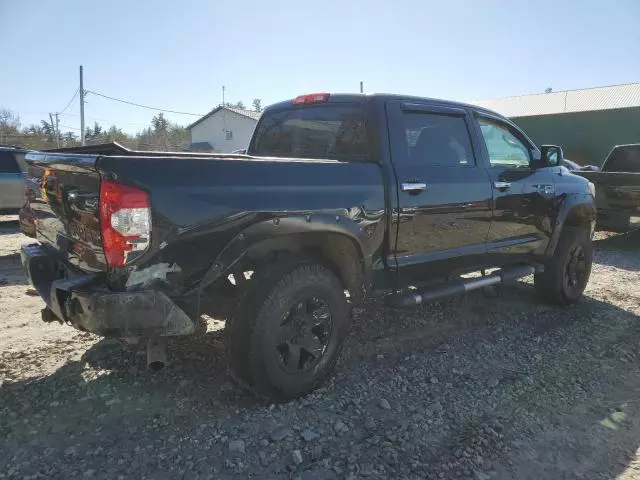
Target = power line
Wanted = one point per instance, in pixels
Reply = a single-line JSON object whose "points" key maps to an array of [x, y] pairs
{"points": [[72, 98], [144, 106]]}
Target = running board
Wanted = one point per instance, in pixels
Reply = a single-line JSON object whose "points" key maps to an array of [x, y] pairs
{"points": [[459, 286]]}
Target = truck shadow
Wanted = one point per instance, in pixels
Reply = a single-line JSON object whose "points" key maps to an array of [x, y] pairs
{"points": [[620, 251], [10, 267], [11, 271], [585, 374]]}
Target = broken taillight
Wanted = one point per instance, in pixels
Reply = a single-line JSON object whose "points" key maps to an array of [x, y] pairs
{"points": [[125, 221]]}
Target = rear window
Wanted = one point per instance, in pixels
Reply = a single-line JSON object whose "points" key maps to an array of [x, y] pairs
{"points": [[623, 159], [329, 131], [8, 163]]}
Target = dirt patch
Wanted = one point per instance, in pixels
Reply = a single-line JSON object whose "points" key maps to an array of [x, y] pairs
{"points": [[476, 387]]}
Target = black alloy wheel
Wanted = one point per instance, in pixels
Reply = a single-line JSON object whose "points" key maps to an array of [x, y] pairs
{"points": [[304, 334]]}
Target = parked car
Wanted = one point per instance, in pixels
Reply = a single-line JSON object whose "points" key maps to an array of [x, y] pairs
{"points": [[574, 166], [12, 166], [570, 165], [340, 196], [618, 189]]}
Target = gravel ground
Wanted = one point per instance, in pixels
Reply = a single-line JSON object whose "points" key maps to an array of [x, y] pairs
{"points": [[477, 387]]}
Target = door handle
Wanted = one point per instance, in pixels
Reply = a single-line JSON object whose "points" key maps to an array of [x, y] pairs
{"points": [[502, 185], [413, 187]]}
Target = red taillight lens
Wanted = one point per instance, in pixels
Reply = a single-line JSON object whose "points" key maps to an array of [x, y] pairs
{"points": [[125, 221], [311, 98]]}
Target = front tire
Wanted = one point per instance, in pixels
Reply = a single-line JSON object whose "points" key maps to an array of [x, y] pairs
{"points": [[567, 273], [288, 330]]}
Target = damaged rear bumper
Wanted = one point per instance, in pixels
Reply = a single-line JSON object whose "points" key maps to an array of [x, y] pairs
{"points": [[84, 301]]}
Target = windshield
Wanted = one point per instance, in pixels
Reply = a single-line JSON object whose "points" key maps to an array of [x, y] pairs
{"points": [[329, 131]]}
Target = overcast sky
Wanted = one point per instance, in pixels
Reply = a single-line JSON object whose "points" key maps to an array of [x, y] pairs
{"points": [[178, 54]]}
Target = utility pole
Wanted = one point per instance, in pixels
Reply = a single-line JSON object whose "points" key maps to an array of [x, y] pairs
{"points": [[54, 127], [58, 137], [223, 96], [81, 109], [361, 87]]}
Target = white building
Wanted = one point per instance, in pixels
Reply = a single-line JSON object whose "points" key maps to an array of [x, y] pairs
{"points": [[223, 129]]}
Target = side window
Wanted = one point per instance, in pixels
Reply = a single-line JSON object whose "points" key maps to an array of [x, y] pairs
{"points": [[505, 150], [8, 163], [437, 140]]}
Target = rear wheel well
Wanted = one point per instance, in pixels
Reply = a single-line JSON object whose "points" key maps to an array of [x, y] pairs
{"points": [[337, 252]]}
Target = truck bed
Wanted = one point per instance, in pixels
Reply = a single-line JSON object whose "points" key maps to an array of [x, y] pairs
{"points": [[617, 198], [191, 196]]}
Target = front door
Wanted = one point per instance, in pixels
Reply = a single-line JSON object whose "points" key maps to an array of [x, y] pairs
{"points": [[523, 197], [444, 195]]}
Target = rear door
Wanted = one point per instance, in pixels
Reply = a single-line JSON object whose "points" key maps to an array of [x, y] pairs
{"points": [[523, 197], [11, 182], [444, 194]]}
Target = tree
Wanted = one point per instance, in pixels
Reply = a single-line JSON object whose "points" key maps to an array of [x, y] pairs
{"points": [[9, 124], [257, 105], [47, 128], [179, 137], [160, 124], [37, 137], [115, 134], [161, 134], [95, 135], [160, 131], [69, 139], [239, 105]]}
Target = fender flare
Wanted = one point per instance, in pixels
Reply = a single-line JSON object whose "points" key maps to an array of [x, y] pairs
{"points": [[576, 209], [279, 227]]}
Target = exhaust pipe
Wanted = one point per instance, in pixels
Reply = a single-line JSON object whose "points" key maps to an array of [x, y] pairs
{"points": [[156, 354], [460, 286]]}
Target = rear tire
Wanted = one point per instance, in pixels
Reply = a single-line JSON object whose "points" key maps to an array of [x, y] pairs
{"points": [[567, 273], [288, 330]]}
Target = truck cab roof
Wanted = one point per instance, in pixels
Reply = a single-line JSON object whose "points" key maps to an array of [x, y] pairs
{"points": [[364, 98]]}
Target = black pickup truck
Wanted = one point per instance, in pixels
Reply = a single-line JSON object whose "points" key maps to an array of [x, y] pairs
{"points": [[618, 189], [338, 196]]}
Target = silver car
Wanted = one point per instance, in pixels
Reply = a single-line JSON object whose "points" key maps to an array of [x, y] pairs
{"points": [[574, 166], [12, 170]]}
